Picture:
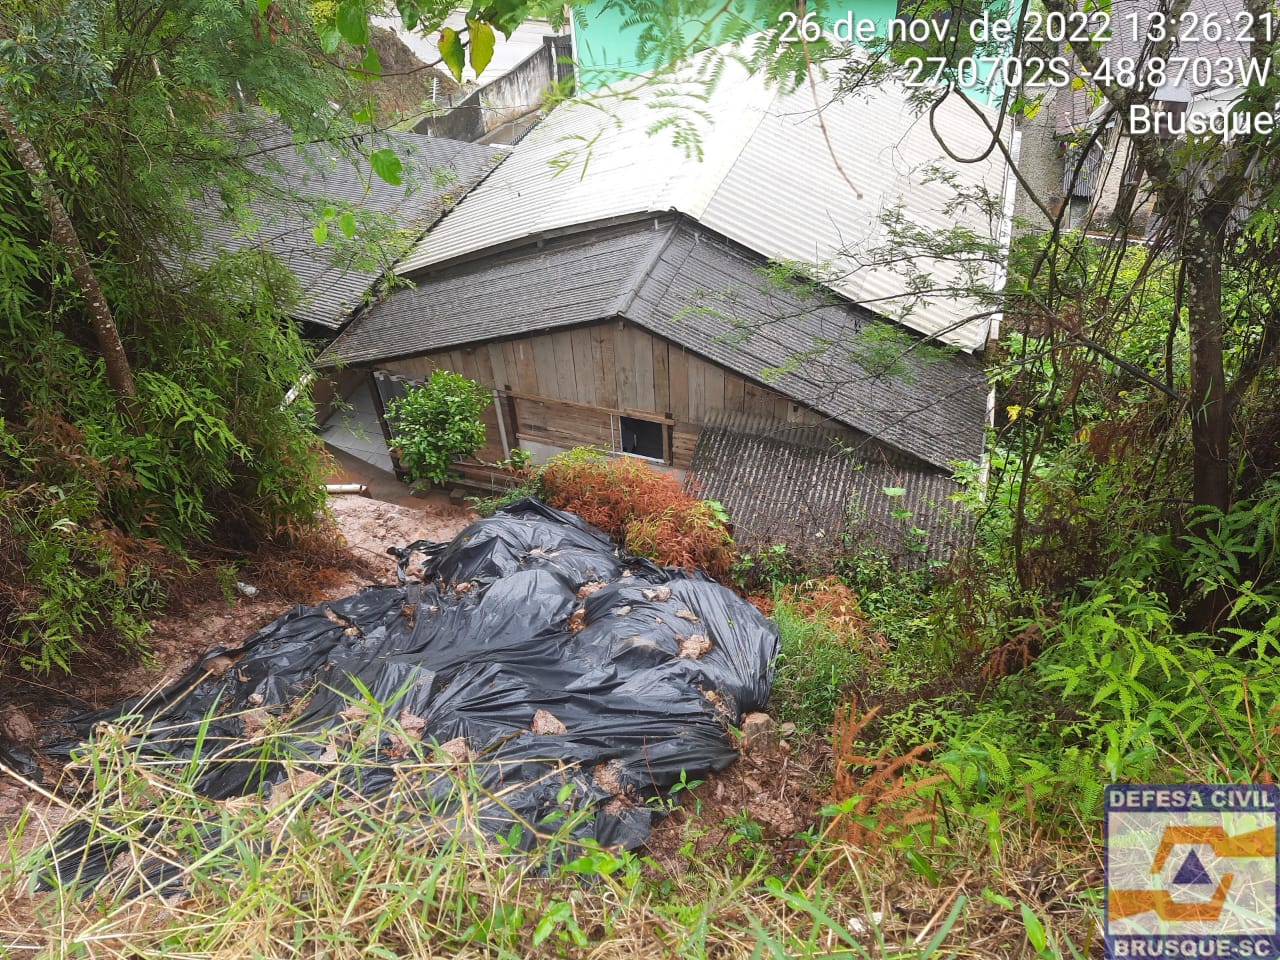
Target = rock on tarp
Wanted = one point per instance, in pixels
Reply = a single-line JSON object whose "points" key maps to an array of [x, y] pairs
{"points": [[568, 669]]}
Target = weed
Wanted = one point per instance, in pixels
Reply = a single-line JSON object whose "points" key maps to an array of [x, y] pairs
{"points": [[692, 535], [767, 568], [312, 868], [816, 665], [528, 484]]}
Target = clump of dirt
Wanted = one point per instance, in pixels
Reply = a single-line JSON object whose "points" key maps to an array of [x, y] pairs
{"points": [[371, 526], [16, 726], [778, 785], [547, 723], [691, 648]]}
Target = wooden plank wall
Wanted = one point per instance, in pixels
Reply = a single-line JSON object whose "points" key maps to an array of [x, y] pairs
{"points": [[608, 368], [562, 424]]}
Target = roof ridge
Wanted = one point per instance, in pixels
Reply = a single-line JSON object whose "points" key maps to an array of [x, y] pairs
{"points": [[627, 296]]}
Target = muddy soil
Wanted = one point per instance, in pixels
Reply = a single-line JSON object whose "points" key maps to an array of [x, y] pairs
{"points": [[218, 619]]}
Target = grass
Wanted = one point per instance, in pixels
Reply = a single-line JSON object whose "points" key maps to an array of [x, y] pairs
{"points": [[314, 870], [814, 668], [827, 645]]}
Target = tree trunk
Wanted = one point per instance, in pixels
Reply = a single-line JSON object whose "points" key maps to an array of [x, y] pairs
{"points": [[1210, 412], [119, 373], [1210, 415]]}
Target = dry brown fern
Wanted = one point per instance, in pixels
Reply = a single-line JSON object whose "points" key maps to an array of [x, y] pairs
{"points": [[1013, 655], [886, 801]]}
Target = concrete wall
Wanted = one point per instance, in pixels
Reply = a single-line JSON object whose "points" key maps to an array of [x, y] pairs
{"points": [[1043, 165], [1040, 163], [507, 100], [607, 45]]}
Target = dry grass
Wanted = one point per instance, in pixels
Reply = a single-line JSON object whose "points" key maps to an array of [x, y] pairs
{"points": [[313, 870]]}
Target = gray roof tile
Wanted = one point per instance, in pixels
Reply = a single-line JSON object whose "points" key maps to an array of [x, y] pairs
{"points": [[506, 296], [295, 181], [688, 286], [720, 305]]}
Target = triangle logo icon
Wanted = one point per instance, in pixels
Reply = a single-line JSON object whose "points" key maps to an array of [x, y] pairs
{"points": [[1192, 871]]}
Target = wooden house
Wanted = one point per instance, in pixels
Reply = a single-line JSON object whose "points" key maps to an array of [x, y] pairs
{"points": [[665, 307]]}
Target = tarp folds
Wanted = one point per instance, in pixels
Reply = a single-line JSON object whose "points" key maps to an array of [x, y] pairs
{"points": [[557, 660], [19, 759]]}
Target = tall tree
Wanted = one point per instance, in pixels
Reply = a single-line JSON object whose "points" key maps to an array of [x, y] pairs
{"points": [[1213, 196], [1206, 189]]}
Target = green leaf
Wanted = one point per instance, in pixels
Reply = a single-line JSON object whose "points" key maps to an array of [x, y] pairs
{"points": [[506, 15], [944, 929], [921, 866], [387, 165], [347, 223], [320, 231], [409, 14], [482, 42], [998, 899], [329, 39], [1035, 929], [263, 6], [353, 23], [559, 912], [371, 64], [451, 51], [895, 491]]}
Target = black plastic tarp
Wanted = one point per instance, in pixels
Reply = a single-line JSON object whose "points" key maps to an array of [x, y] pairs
{"points": [[528, 620]]}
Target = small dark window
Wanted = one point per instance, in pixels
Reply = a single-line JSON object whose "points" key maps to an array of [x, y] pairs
{"points": [[642, 437]]}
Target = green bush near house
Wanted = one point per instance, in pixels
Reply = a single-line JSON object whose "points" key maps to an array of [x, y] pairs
{"points": [[437, 422]]}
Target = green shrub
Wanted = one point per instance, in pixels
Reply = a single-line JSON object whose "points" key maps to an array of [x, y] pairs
{"points": [[767, 568], [437, 422], [96, 511], [62, 578], [816, 665], [100, 497]]}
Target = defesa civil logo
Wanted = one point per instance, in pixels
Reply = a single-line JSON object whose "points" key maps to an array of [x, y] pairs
{"points": [[1192, 871]]}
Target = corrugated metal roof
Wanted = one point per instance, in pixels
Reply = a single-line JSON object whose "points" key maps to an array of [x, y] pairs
{"points": [[766, 179], [807, 492], [297, 181], [684, 284]]}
